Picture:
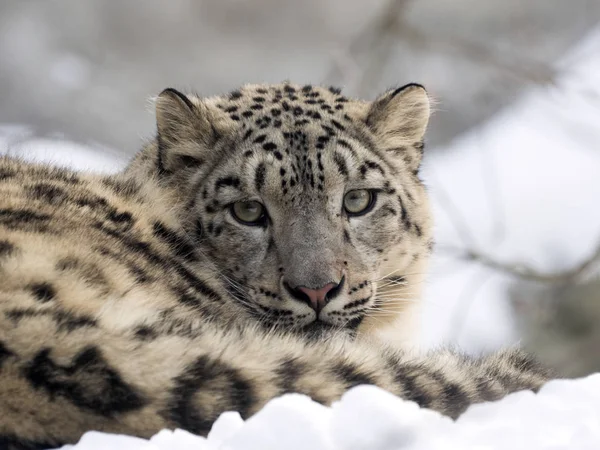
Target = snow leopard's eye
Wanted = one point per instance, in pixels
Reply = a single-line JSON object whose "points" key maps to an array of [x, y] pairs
{"points": [[359, 202], [249, 212]]}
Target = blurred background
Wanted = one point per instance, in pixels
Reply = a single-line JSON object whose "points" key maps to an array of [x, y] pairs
{"points": [[513, 159]]}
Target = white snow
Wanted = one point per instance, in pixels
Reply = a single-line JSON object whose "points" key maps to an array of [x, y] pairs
{"points": [[20, 141], [563, 415]]}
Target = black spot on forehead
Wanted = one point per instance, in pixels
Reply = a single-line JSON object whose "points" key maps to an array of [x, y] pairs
{"points": [[247, 134], [260, 139], [309, 118], [257, 96]]}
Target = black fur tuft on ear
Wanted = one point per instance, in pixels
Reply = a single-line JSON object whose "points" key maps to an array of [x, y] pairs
{"points": [[175, 93], [405, 87], [399, 119], [184, 131]]}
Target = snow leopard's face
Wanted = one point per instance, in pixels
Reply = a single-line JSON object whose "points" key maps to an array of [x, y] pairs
{"points": [[299, 195]]}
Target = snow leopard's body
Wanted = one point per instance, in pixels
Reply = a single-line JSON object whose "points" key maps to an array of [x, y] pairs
{"points": [[135, 302]]}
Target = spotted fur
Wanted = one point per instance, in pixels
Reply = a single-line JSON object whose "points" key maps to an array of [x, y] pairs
{"points": [[134, 302]]}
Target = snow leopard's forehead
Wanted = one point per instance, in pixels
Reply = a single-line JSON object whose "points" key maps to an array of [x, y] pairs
{"points": [[289, 110], [298, 128], [286, 105]]}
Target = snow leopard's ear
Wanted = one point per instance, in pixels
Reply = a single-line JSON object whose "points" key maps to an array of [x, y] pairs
{"points": [[399, 119], [185, 131]]}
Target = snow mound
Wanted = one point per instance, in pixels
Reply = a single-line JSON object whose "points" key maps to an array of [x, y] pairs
{"points": [[563, 415], [20, 141]]}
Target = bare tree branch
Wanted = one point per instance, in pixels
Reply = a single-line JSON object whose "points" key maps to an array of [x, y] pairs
{"points": [[493, 192], [569, 276], [465, 301], [377, 42], [514, 65], [374, 41], [456, 217]]}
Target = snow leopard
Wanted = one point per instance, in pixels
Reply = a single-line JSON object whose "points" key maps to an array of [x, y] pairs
{"points": [[254, 247]]}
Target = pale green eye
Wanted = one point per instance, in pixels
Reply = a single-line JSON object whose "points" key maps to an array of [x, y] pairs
{"points": [[249, 213], [358, 202]]}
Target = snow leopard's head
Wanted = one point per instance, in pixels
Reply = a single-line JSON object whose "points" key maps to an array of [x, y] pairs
{"points": [[307, 202]]}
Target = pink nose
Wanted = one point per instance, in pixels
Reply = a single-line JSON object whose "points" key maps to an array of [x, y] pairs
{"points": [[317, 297]]}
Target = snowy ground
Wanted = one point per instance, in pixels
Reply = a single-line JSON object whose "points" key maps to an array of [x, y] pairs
{"points": [[527, 186], [369, 418]]}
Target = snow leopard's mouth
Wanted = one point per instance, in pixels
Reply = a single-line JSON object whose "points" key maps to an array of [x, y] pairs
{"points": [[273, 311]]}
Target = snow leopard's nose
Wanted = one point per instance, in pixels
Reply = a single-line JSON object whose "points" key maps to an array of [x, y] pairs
{"points": [[316, 298]]}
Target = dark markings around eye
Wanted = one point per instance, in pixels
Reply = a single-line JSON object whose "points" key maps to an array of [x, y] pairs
{"points": [[374, 166], [388, 211], [404, 215], [259, 176], [341, 164], [347, 237], [345, 144], [229, 181], [370, 165]]}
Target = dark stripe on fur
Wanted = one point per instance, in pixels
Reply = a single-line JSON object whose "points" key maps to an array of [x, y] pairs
{"points": [[89, 382], [213, 378]]}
